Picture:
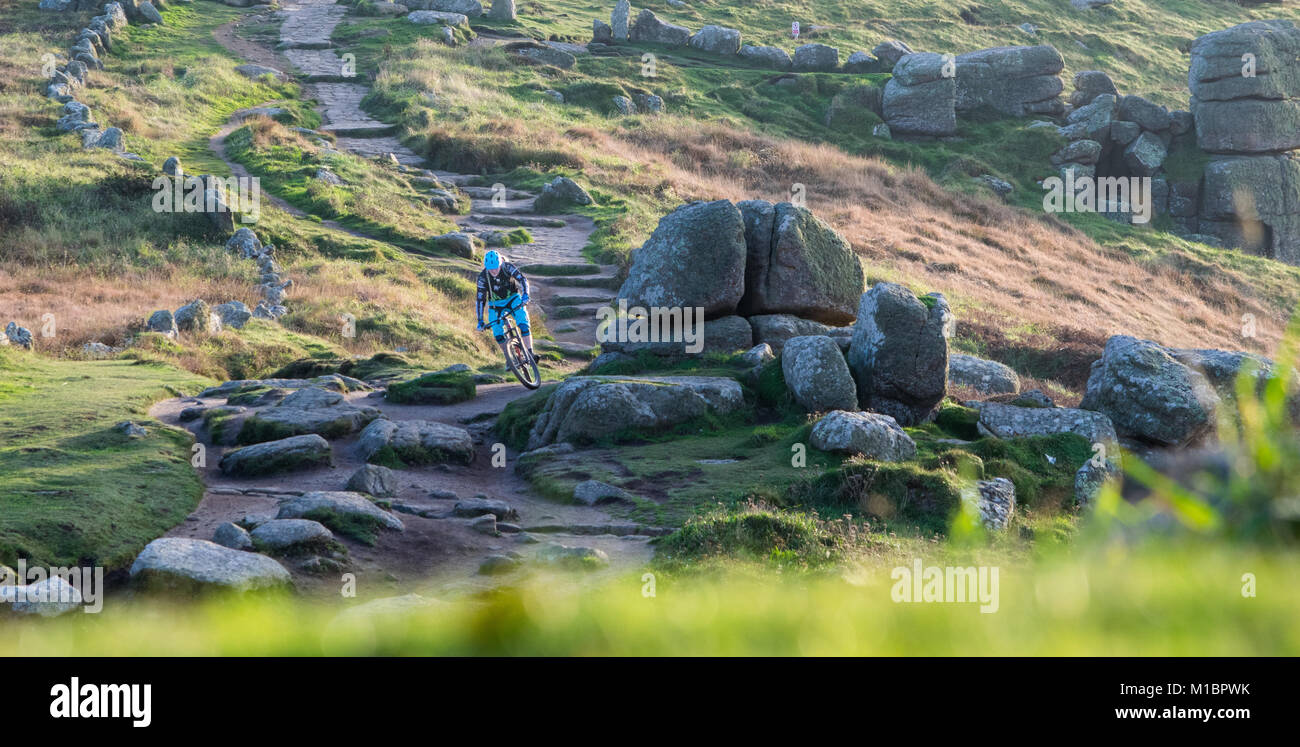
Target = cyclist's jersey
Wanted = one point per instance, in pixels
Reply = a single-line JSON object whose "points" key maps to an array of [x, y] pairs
{"points": [[507, 282]]}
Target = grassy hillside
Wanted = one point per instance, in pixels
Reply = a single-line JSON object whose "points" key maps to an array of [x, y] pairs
{"points": [[1142, 44], [83, 243], [1021, 282], [72, 489]]}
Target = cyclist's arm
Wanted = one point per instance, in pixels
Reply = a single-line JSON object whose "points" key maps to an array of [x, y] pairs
{"points": [[478, 300], [519, 277]]}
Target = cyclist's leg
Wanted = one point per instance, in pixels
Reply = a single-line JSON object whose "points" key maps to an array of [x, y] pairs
{"points": [[525, 331], [498, 325]]}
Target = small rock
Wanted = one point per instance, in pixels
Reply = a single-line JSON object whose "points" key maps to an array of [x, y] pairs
{"points": [[233, 536]]}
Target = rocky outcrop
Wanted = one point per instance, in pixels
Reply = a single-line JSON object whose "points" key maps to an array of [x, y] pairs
{"points": [[286, 534], [378, 481], [175, 563], [337, 503], [994, 501], [1149, 395], [594, 492], [1017, 81], [585, 408], [716, 39], [233, 536], [816, 58], [773, 58], [776, 329], [1000, 420], [618, 19], [1253, 203], [726, 334], [921, 99], [867, 434], [797, 264], [469, 8], [889, 52], [271, 457], [985, 377], [311, 410], [1245, 84], [667, 271], [1239, 112], [899, 353], [817, 375], [560, 194], [503, 10], [415, 442], [648, 28]]}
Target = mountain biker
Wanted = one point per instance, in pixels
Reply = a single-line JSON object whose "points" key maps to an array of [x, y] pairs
{"points": [[503, 286]]}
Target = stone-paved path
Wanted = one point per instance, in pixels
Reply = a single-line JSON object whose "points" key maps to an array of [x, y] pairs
{"points": [[567, 287]]}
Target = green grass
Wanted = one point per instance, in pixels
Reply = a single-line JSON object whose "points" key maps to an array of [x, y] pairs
{"points": [[433, 389], [1149, 600], [359, 527], [72, 490], [784, 539], [375, 198]]}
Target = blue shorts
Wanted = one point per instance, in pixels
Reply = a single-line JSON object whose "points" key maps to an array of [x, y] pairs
{"points": [[520, 314]]}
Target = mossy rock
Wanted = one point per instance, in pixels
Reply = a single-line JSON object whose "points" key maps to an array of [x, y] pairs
{"points": [[433, 389]]}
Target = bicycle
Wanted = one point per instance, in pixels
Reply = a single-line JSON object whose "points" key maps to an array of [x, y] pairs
{"points": [[522, 365]]}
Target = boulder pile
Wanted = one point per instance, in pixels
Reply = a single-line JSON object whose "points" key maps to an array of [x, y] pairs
{"points": [[649, 28], [775, 271]]}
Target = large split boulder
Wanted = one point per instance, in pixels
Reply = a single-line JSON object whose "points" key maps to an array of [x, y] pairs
{"points": [[1018, 81], [669, 270], [921, 98], [309, 410], [899, 354], [271, 457], [179, 564], [1237, 112], [585, 408], [817, 375], [867, 434], [1149, 395], [415, 442], [797, 264]]}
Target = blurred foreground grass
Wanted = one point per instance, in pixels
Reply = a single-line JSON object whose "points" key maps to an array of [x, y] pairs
{"points": [[1180, 599]]}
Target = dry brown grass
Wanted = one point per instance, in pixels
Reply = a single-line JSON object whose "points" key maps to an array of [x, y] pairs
{"points": [[1011, 270], [89, 307]]}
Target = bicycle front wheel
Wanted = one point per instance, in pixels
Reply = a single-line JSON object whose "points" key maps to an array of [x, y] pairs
{"points": [[523, 367]]}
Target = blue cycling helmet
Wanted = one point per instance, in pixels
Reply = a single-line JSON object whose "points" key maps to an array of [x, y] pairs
{"points": [[492, 260]]}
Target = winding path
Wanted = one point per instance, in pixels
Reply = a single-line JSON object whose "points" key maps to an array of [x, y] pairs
{"points": [[432, 554], [567, 287]]}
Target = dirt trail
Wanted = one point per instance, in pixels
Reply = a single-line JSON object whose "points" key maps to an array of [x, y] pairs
{"points": [[433, 556]]}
